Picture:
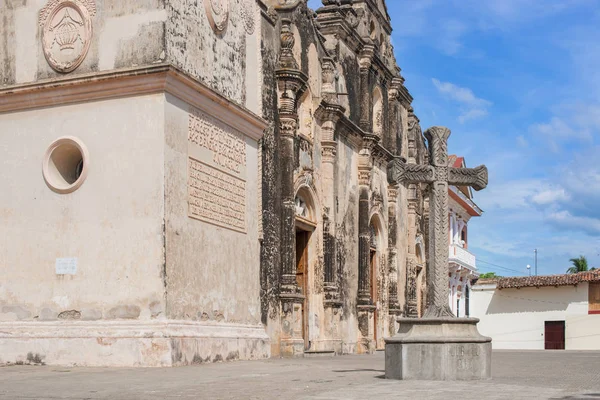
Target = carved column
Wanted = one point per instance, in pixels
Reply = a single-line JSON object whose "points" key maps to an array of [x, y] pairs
{"points": [[414, 132], [291, 82], [394, 117], [411, 258], [366, 105], [365, 165], [329, 113], [393, 249]]}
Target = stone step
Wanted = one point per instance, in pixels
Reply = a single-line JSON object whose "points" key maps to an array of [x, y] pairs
{"points": [[319, 353]]}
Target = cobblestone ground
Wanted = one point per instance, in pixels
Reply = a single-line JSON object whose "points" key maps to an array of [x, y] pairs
{"points": [[517, 375]]}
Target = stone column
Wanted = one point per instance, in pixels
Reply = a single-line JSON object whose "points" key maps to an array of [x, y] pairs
{"points": [[366, 99], [394, 115], [329, 112], [365, 165], [411, 261], [394, 307], [291, 83]]}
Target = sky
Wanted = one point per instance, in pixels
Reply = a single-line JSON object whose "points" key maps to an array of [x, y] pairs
{"points": [[518, 83]]}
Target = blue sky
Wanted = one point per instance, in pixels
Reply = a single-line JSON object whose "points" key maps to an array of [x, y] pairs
{"points": [[518, 83]]}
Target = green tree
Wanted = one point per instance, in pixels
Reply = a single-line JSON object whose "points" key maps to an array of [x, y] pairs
{"points": [[580, 264], [489, 275]]}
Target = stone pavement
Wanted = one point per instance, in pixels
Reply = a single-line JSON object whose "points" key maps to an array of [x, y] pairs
{"points": [[517, 375]]}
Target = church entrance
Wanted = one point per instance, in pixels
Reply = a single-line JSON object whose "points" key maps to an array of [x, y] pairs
{"points": [[306, 224], [375, 259], [374, 294], [302, 240]]}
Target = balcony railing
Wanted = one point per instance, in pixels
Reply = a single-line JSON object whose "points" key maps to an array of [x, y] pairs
{"points": [[461, 256]]}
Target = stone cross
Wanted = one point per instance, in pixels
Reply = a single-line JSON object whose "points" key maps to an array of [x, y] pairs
{"points": [[439, 175]]}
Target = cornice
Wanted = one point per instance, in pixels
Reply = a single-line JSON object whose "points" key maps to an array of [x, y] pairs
{"points": [[129, 82]]}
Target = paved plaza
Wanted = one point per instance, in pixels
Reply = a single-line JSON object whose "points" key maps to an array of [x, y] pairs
{"points": [[517, 375]]}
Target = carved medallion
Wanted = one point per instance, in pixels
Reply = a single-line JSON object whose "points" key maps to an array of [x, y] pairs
{"points": [[248, 16], [218, 14], [66, 32]]}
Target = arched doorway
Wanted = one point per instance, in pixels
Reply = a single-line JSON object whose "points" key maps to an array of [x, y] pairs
{"points": [[375, 258], [306, 223]]}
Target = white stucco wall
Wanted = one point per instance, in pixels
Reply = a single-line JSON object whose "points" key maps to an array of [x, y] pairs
{"points": [[514, 318], [112, 224]]}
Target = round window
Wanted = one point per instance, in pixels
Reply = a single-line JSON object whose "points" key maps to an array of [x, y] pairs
{"points": [[65, 165]]}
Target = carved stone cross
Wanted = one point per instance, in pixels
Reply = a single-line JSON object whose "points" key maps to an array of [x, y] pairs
{"points": [[439, 175]]}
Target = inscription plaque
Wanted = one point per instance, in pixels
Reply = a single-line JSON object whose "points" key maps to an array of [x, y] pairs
{"points": [[66, 266], [216, 172]]}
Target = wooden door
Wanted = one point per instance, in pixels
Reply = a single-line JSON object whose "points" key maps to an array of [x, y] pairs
{"points": [[302, 278], [554, 335], [374, 294], [594, 298]]}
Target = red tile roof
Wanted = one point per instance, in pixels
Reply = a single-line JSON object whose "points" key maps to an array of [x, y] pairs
{"points": [[455, 161], [548, 280]]}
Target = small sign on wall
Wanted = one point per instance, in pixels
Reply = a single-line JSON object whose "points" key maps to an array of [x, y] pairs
{"points": [[66, 266]]}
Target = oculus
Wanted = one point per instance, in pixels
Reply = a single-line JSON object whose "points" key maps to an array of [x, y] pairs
{"points": [[66, 164]]}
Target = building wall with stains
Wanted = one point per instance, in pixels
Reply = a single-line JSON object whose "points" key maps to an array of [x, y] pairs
{"points": [[129, 34], [155, 283], [124, 34], [112, 225]]}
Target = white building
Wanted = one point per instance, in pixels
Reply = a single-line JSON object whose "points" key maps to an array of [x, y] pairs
{"points": [[462, 268], [540, 312]]}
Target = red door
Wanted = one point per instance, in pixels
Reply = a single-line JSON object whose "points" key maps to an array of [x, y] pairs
{"points": [[554, 335]]}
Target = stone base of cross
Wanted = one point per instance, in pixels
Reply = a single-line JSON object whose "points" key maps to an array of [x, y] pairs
{"points": [[439, 175]]}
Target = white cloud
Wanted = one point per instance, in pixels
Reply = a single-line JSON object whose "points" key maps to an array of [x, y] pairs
{"points": [[472, 107], [557, 128], [565, 220], [550, 196], [461, 94], [521, 141], [472, 114]]}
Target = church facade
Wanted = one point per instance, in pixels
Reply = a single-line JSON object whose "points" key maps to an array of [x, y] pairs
{"points": [[200, 181], [342, 249]]}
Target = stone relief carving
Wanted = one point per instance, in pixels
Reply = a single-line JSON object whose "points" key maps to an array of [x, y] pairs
{"points": [[217, 12], [249, 16], [66, 32]]}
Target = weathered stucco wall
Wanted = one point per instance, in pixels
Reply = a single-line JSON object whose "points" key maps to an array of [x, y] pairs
{"points": [[138, 33], [228, 60], [125, 34], [112, 224], [212, 271]]}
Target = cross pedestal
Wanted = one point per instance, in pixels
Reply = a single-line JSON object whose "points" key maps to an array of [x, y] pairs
{"points": [[438, 346]]}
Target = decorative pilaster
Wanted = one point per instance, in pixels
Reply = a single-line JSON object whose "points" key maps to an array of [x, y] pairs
{"points": [[328, 159], [366, 105], [291, 83], [394, 307], [411, 310], [329, 113], [365, 165], [394, 117]]}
